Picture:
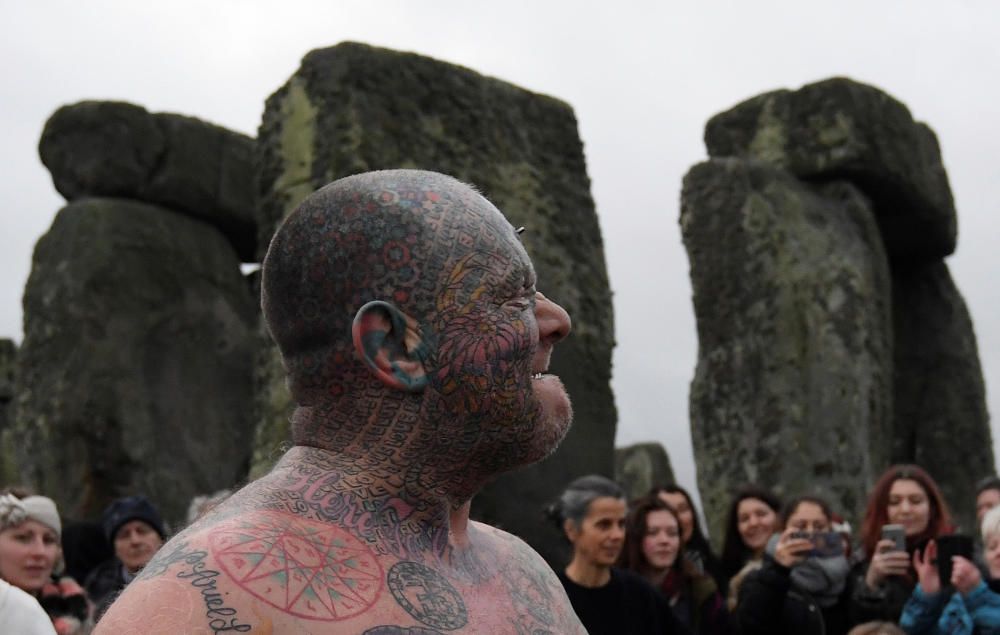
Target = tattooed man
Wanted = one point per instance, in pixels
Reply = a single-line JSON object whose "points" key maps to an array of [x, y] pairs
{"points": [[416, 346]]}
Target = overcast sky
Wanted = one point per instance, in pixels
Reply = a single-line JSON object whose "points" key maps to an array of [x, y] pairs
{"points": [[643, 78]]}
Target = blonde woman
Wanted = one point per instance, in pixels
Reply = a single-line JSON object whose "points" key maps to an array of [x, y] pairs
{"points": [[30, 550]]}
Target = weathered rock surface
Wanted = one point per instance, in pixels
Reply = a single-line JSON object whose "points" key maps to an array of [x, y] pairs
{"points": [[135, 374], [791, 294], [107, 148], [640, 467], [842, 129], [352, 108], [940, 421], [8, 373]]}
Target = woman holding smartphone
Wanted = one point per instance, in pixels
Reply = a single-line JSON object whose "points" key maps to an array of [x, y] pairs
{"points": [[800, 588], [884, 578]]}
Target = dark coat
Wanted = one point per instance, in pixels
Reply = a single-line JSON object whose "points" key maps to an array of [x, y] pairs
{"points": [[884, 604], [626, 604], [697, 604], [104, 584], [768, 605]]}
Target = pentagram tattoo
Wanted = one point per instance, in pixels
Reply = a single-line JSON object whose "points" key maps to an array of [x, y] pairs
{"points": [[306, 568], [427, 596]]}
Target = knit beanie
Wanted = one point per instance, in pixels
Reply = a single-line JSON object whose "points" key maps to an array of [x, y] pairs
{"points": [[129, 508], [14, 511]]}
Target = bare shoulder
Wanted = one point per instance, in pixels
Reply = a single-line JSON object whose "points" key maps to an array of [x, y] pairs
{"points": [[260, 571], [536, 595], [180, 590]]}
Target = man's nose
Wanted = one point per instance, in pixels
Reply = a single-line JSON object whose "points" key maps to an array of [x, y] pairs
{"points": [[553, 322]]}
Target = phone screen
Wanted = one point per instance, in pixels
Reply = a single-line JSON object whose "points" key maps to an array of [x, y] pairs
{"points": [[896, 534], [827, 544]]}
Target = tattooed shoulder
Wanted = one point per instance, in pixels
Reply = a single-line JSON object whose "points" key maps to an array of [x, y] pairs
{"points": [[401, 630], [171, 554], [538, 601], [427, 596]]}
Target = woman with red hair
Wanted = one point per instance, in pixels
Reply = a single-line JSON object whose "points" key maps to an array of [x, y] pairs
{"points": [[884, 577]]}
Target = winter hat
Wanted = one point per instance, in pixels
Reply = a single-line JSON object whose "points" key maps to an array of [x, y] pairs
{"points": [[129, 508], [14, 511]]}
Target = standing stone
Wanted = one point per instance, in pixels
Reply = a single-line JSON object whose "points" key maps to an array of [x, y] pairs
{"points": [[842, 129], [353, 108], [791, 295], [8, 373], [110, 148], [135, 374], [641, 467], [940, 421]]}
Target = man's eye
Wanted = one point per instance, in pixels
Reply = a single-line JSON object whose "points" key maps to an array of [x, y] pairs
{"points": [[524, 301]]}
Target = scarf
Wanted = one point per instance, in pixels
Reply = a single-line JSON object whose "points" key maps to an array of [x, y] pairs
{"points": [[823, 579]]}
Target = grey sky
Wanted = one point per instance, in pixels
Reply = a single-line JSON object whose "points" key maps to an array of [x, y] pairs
{"points": [[643, 77]]}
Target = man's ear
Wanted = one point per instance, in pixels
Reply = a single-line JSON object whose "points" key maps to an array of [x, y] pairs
{"points": [[388, 341]]}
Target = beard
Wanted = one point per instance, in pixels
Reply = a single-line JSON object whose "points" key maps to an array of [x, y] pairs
{"points": [[513, 427], [552, 419]]}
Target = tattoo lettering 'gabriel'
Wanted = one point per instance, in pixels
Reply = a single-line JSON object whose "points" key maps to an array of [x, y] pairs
{"points": [[305, 568]]}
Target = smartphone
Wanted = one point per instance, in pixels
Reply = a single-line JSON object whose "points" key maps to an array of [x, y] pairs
{"points": [[897, 534], [827, 544], [952, 545]]}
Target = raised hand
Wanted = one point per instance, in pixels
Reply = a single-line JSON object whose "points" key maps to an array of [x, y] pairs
{"points": [[791, 550], [964, 575], [926, 567]]}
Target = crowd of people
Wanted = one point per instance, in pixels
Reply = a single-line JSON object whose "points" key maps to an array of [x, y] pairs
{"points": [[57, 578], [795, 568], [640, 566]]}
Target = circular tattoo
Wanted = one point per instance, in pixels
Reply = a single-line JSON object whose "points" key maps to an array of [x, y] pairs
{"points": [[401, 630], [306, 568], [427, 596]]}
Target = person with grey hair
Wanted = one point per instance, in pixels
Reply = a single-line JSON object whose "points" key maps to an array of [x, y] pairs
{"points": [[968, 603], [591, 514]]}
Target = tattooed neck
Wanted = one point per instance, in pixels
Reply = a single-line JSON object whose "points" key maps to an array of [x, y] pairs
{"points": [[396, 511], [390, 437]]}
